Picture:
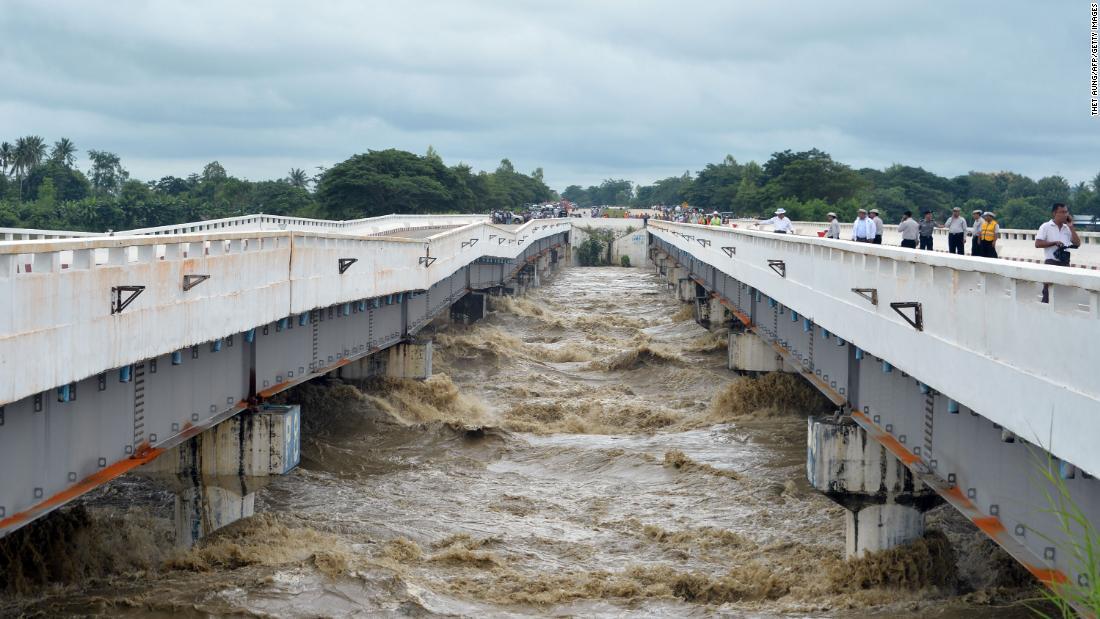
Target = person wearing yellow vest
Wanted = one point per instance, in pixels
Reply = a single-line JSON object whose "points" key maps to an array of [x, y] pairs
{"points": [[987, 235]]}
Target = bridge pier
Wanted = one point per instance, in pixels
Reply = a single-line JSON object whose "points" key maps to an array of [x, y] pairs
{"points": [[216, 473], [402, 360], [469, 308], [750, 353], [885, 503]]}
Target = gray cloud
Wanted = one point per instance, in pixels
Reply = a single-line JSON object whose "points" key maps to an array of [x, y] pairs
{"points": [[585, 90]]}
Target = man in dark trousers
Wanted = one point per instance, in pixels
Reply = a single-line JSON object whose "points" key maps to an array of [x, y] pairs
{"points": [[956, 232]]}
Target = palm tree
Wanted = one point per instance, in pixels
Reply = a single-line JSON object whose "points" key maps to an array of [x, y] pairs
{"points": [[64, 152], [297, 178], [29, 152], [7, 157]]}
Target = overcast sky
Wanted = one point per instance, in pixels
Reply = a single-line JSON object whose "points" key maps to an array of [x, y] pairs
{"points": [[585, 89]]}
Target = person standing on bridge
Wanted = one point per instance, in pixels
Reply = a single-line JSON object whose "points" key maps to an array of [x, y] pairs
{"points": [[834, 227], [909, 230], [924, 231], [863, 230], [1056, 237], [987, 236], [956, 232], [975, 232], [780, 224], [878, 226]]}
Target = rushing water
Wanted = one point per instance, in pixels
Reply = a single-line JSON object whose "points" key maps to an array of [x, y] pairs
{"points": [[583, 451]]}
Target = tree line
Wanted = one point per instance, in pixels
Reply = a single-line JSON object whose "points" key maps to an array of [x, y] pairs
{"points": [[809, 184], [43, 187]]}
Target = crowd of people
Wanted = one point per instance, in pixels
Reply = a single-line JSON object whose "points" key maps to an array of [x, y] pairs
{"points": [[1055, 237]]}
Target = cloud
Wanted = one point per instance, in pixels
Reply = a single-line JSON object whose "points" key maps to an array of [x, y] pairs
{"points": [[585, 90]]}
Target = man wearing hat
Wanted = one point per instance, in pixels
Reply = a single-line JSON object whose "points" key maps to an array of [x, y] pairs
{"points": [[956, 232], [878, 226], [975, 229], [863, 230], [987, 235], [925, 229], [834, 227], [779, 223]]}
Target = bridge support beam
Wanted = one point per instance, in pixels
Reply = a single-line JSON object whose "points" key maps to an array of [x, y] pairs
{"points": [[711, 313], [750, 353], [885, 503], [216, 473], [410, 360], [469, 308]]}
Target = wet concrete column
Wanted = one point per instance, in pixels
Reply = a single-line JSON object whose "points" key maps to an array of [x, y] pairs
{"points": [[749, 352], [719, 316], [410, 360], [215, 474], [885, 503], [469, 308]]}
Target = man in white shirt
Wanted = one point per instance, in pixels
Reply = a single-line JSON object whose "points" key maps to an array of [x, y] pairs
{"points": [[1056, 234], [863, 230], [956, 232], [878, 226], [909, 230], [834, 227], [779, 223], [1055, 237], [975, 229]]}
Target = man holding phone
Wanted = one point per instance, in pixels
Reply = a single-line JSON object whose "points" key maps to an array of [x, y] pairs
{"points": [[1056, 237]]}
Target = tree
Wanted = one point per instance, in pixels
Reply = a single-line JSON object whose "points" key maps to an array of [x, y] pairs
{"points": [[297, 178], [108, 175], [69, 183], [1022, 213], [64, 152], [577, 195], [715, 186], [28, 153], [7, 157], [213, 172]]}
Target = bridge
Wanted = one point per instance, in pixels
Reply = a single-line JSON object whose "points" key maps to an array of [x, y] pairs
{"points": [[952, 379]]}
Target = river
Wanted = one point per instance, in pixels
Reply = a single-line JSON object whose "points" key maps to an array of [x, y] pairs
{"points": [[583, 451]]}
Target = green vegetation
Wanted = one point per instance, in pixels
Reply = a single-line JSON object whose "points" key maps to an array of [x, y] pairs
{"points": [[40, 189], [595, 250], [1083, 545], [624, 261], [811, 183]]}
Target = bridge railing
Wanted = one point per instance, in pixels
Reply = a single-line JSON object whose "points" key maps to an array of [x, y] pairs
{"points": [[60, 319], [985, 335], [367, 225], [1013, 243]]}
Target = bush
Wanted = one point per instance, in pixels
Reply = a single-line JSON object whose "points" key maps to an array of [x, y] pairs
{"points": [[624, 261]]}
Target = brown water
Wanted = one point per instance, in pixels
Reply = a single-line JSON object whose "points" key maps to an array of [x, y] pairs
{"points": [[581, 452]]}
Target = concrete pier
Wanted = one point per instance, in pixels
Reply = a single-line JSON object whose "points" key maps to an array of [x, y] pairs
{"points": [[253, 443], [885, 503], [469, 308], [402, 360], [749, 353], [215, 474]]}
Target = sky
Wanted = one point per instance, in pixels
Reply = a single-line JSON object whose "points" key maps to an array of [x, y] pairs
{"points": [[585, 89]]}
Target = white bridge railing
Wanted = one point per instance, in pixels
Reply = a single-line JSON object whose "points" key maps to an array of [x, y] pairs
{"points": [[59, 299], [987, 339]]}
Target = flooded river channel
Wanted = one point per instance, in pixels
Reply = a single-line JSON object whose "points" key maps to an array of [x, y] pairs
{"points": [[581, 452]]}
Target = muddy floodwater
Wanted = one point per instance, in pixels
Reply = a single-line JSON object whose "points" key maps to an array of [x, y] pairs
{"points": [[581, 452]]}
